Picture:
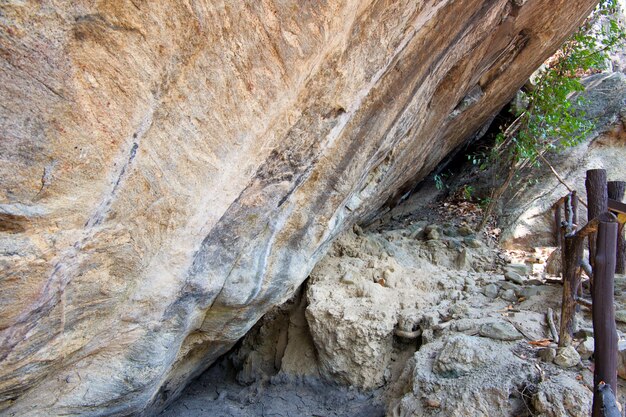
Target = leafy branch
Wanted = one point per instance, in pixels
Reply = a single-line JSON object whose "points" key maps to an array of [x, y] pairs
{"points": [[551, 119]]}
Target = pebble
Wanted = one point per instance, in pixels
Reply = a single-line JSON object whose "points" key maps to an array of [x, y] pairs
{"points": [[491, 290], [520, 269], [464, 260], [465, 231], [508, 295], [500, 330], [431, 232], [506, 285], [514, 277], [348, 278], [433, 402], [583, 333], [547, 354], [529, 292], [567, 357], [453, 244]]}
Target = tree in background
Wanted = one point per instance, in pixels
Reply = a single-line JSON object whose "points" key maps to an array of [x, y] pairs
{"points": [[550, 118]]}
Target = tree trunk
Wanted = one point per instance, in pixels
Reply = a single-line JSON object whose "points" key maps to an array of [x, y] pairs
{"points": [[597, 203], [605, 333], [616, 192], [557, 222]]}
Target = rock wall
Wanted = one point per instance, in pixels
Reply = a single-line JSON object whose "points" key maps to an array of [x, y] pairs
{"points": [[170, 170]]}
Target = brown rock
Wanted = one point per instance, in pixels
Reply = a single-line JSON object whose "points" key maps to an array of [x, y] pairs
{"points": [[171, 170]]}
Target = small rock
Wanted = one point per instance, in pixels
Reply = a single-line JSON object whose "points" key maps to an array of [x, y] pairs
{"points": [[521, 269], [348, 278], [464, 260], [554, 263], [500, 330], [458, 310], [453, 244], [510, 286], [465, 230], [567, 357], [509, 295], [585, 349], [471, 289], [460, 355], [547, 354], [472, 242], [620, 284], [620, 316], [469, 281], [430, 319], [428, 335], [529, 292], [450, 231], [491, 290], [431, 232], [464, 326], [514, 277], [432, 402], [583, 333]]}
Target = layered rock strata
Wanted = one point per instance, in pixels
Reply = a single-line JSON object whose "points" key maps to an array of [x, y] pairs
{"points": [[171, 170]]}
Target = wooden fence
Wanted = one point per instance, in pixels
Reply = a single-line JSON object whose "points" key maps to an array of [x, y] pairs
{"points": [[606, 215]]}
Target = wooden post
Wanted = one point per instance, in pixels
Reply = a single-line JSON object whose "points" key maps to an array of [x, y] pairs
{"points": [[575, 207], [605, 333], [572, 258], [597, 203], [557, 222], [616, 192]]}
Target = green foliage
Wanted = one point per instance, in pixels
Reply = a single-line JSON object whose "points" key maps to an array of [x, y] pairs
{"points": [[439, 184], [551, 118], [468, 192], [440, 180]]}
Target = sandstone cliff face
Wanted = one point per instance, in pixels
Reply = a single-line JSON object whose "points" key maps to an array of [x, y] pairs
{"points": [[170, 170]]}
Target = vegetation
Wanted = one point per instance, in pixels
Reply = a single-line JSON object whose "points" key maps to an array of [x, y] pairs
{"points": [[550, 118]]}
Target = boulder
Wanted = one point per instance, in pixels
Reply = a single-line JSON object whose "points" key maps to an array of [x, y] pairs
{"points": [[491, 290], [500, 330], [460, 356], [567, 357], [172, 170]]}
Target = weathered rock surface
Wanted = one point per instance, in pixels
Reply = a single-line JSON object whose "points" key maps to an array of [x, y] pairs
{"points": [[398, 290], [171, 170]]}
